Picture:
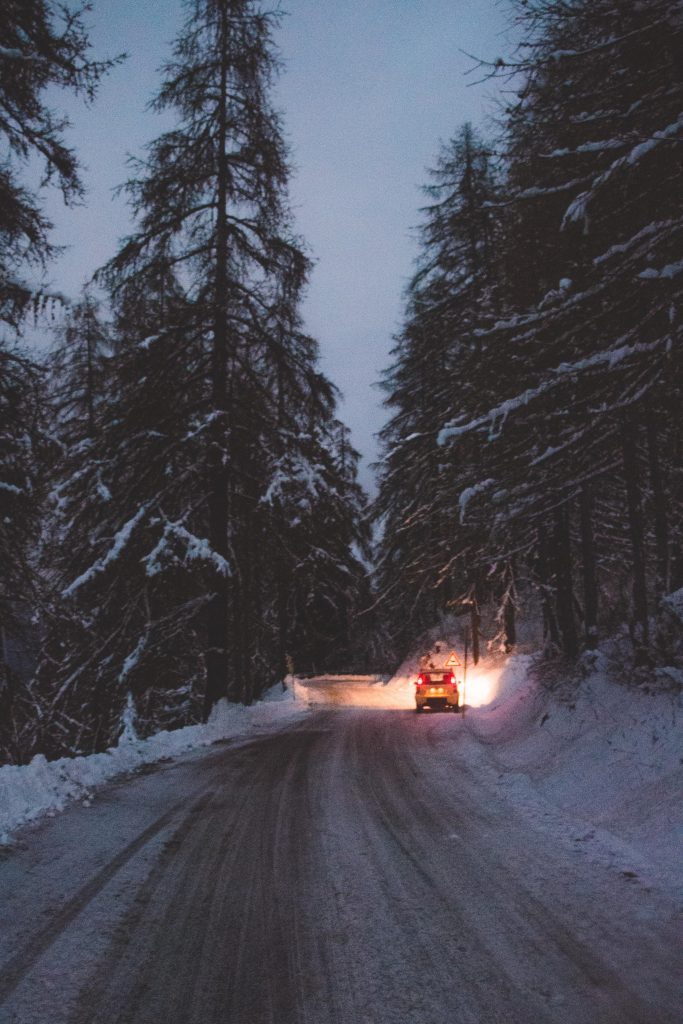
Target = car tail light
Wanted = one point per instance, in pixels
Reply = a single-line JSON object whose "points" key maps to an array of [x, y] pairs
{"points": [[448, 679], [422, 680]]}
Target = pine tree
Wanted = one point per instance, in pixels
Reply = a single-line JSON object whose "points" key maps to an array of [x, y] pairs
{"points": [[210, 200], [206, 534], [425, 560], [78, 368], [23, 454], [131, 573], [593, 154], [44, 45]]}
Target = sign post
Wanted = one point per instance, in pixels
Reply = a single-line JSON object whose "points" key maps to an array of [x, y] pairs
{"points": [[464, 672]]}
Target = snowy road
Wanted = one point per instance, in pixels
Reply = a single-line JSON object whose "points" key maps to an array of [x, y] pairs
{"points": [[354, 869]]}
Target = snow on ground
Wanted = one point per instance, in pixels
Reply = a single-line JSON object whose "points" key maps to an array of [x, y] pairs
{"points": [[42, 787], [596, 760], [347, 691]]}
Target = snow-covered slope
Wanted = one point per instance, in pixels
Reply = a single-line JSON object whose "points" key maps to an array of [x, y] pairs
{"points": [[596, 760]]}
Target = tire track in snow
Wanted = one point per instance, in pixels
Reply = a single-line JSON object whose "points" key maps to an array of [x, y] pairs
{"points": [[219, 936], [523, 921], [358, 870], [130, 945], [18, 966], [404, 838]]}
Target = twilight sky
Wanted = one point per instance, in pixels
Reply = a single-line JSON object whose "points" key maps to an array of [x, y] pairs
{"points": [[369, 89]]}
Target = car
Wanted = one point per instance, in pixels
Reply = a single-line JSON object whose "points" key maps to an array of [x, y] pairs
{"points": [[436, 685], [437, 689]]}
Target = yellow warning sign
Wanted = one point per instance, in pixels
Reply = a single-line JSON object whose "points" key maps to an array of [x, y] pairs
{"points": [[453, 660]]}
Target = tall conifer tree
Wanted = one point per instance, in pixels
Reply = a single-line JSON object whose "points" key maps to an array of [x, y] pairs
{"points": [[222, 541], [44, 44]]}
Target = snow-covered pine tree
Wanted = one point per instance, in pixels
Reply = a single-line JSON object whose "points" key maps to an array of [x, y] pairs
{"points": [[425, 558], [44, 44], [23, 452], [594, 153], [317, 519], [198, 579], [211, 202], [128, 550]]}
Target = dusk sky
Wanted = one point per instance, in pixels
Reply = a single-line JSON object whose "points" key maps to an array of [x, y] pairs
{"points": [[368, 90]]}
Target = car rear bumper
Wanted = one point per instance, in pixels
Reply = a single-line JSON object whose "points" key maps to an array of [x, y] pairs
{"points": [[436, 700]]}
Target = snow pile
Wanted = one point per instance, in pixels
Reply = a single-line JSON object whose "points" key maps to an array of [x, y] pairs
{"points": [[361, 691], [596, 761], [44, 787]]}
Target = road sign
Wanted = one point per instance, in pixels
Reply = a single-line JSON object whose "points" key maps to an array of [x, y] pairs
{"points": [[453, 660]]}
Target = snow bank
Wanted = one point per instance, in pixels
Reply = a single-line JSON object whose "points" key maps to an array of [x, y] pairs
{"points": [[44, 787], [360, 691], [597, 761]]}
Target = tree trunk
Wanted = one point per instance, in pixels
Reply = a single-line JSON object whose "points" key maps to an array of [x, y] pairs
{"points": [[475, 621], [219, 606], [282, 623], [640, 631], [90, 375], [248, 639], [676, 462], [659, 500], [564, 597], [590, 582], [509, 610], [550, 627], [282, 567]]}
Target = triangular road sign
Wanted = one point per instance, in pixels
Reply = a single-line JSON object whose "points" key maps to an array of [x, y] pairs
{"points": [[453, 660]]}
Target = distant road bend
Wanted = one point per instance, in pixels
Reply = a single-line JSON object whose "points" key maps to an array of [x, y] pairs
{"points": [[354, 869]]}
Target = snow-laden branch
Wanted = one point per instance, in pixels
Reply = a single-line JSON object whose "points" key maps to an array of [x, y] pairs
{"points": [[471, 492], [133, 658], [578, 209], [11, 488], [655, 228], [611, 357], [291, 469], [670, 271], [197, 549], [120, 542]]}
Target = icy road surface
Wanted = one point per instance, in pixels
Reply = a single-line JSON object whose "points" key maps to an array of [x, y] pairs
{"points": [[357, 868]]}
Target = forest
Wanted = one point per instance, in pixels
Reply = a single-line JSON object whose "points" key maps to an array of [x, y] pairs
{"points": [[181, 519]]}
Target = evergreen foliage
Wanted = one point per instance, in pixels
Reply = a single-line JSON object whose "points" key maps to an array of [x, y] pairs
{"points": [[424, 551], [209, 525], [564, 435], [43, 44], [179, 502]]}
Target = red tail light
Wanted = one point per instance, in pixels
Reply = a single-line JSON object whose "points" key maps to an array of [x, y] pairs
{"points": [[421, 680], [448, 679]]}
